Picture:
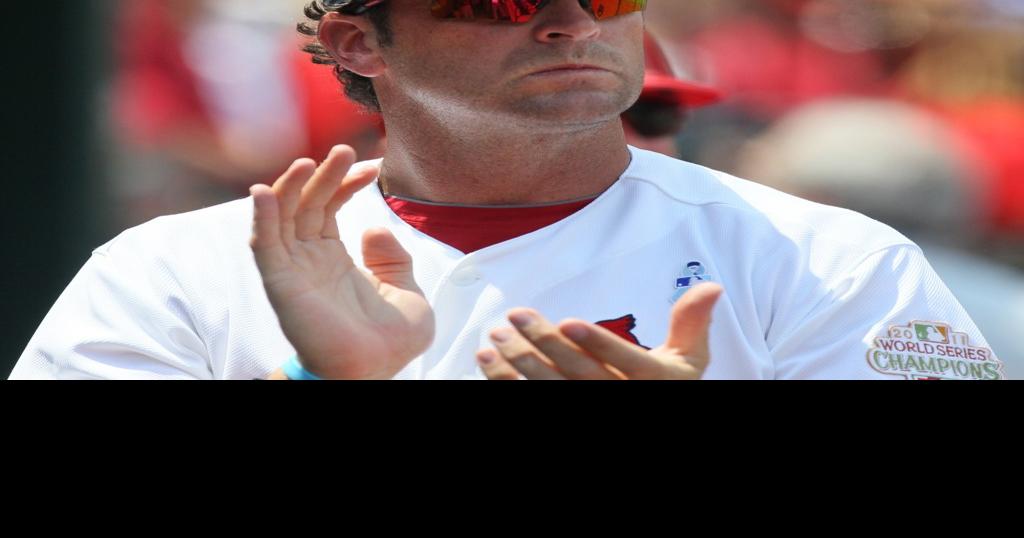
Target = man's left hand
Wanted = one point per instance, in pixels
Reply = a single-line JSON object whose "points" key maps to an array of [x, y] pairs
{"points": [[534, 348]]}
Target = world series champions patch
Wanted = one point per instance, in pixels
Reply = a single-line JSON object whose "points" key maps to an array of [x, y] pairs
{"points": [[931, 350]]}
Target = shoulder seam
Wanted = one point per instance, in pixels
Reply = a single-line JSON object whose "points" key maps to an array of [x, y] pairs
{"points": [[783, 218]]}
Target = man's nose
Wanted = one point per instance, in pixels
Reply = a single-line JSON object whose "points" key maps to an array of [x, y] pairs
{"points": [[565, 20]]}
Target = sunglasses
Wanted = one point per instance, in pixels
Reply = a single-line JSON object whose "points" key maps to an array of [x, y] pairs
{"points": [[514, 11], [655, 119]]}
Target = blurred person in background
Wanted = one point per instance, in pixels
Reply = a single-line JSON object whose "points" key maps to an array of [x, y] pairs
{"points": [[765, 60], [209, 94], [758, 54], [656, 119], [901, 165], [962, 60], [970, 72]]}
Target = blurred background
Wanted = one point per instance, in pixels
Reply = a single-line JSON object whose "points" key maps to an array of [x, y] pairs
{"points": [[910, 111]]}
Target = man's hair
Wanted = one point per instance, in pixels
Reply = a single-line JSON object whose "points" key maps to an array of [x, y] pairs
{"points": [[357, 87]]}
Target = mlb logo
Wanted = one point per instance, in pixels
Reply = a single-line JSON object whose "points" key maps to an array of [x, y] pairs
{"points": [[693, 274], [926, 332]]}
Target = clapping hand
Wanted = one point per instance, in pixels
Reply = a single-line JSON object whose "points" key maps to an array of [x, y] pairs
{"points": [[345, 322], [534, 348]]}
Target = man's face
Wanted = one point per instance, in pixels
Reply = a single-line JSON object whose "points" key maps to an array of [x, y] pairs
{"points": [[526, 75]]}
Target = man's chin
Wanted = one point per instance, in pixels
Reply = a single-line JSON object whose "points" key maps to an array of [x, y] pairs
{"points": [[572, 108]]}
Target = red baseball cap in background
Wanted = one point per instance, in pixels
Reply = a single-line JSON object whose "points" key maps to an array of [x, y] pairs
{"points": [[662, 85]]}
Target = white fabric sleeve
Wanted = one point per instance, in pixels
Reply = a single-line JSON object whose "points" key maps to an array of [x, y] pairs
{"points": [[890, 317], [125, 315]]}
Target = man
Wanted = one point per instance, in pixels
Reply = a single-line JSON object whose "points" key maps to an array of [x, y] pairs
{"points": [[508, 181]]}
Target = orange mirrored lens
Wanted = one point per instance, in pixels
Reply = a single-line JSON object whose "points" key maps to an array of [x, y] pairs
{"points": [[606, 9]]}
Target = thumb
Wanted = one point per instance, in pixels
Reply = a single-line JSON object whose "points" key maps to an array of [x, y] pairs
{"points": [[691, 320], [384, 256]]}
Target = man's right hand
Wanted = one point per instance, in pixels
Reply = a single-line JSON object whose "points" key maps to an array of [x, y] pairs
{"points": [[345, 322]]}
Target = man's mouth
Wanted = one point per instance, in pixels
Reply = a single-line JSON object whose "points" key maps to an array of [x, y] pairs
{"points": [[569, 69]]}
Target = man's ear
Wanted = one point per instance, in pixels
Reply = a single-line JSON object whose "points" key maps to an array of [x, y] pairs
{"points": [[352, 42]]}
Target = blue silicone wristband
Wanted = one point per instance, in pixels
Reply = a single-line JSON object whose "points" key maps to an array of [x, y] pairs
{"points": [[294, 370]]}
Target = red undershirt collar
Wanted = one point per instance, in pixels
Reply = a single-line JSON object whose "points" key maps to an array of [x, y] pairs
{"points": [[472, 228]]}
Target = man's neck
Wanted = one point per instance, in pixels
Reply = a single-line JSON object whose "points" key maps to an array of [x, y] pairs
{"points": [[502, 168]]}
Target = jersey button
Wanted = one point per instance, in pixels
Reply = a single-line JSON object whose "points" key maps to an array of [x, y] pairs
{"points": [[465, 277]]}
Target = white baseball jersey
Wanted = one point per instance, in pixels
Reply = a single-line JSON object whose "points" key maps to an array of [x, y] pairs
{"points": [[811, 291]]}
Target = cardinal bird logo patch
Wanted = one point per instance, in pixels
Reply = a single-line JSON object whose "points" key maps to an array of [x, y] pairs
{"points": [[623, 327]]}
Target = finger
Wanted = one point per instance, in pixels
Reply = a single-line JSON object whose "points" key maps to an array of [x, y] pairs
{"points": [[385, 257], [309, 219], [690, 324], [358, 176], [288, 189], [633, 361], [266, 242], [525, 358], [569, 358], [495, 367]]}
